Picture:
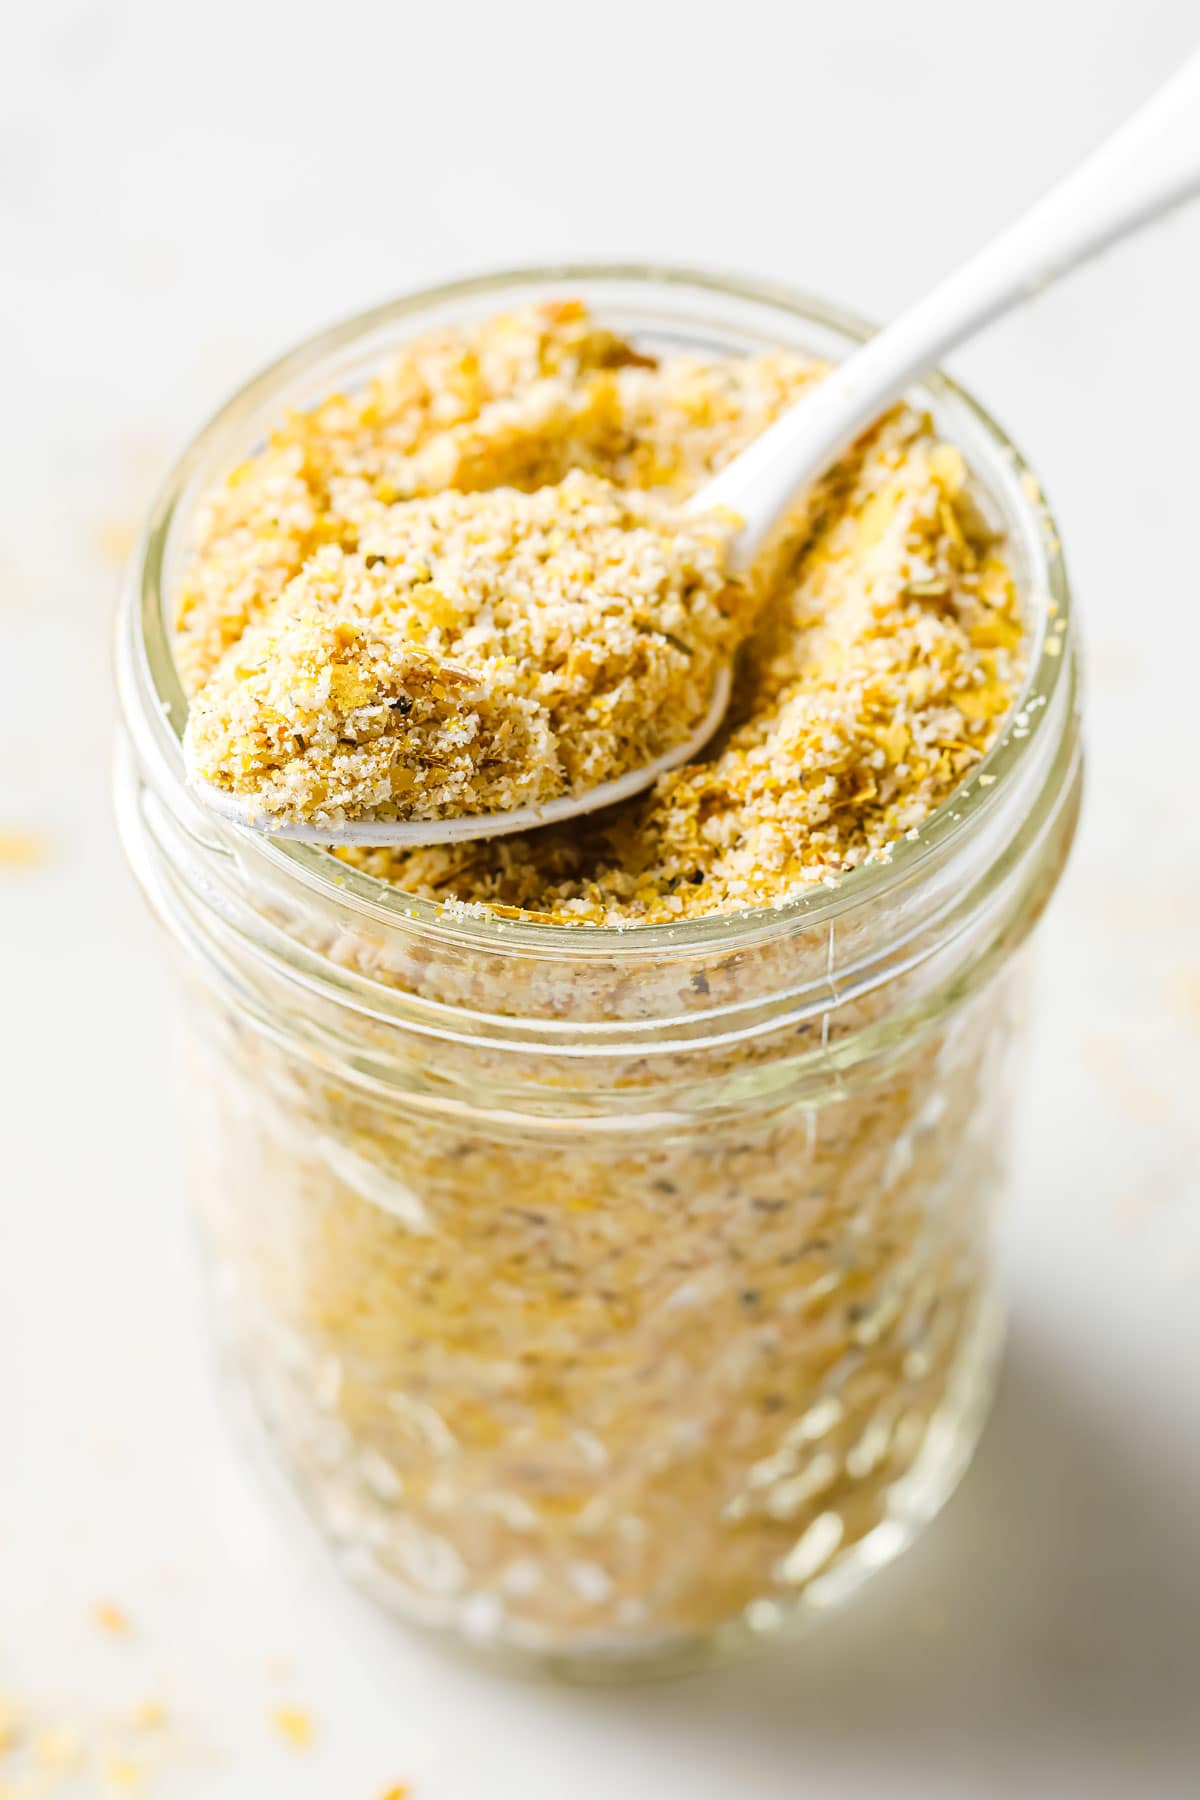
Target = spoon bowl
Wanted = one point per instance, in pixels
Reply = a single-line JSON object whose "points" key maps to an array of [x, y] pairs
{"points": [[415, 834]]}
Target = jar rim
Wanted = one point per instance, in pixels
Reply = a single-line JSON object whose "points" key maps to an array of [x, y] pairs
{"points": [[153, 698]]}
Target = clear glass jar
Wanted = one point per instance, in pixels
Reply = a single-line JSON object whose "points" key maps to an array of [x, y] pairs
{"points": [[606, 1296]]}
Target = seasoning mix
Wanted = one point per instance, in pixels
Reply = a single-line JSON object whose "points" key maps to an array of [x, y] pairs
{"points": [[600, 1217]]}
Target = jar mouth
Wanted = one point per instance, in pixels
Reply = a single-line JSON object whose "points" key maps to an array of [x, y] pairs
{"points": [[155, 706]]}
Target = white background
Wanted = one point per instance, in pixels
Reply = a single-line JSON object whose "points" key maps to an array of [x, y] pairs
{"points": [[183, 191]]}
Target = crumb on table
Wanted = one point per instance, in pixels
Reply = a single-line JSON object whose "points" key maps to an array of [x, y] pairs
{"points": [[112, 1619], [21, 849], [294, 1725]]}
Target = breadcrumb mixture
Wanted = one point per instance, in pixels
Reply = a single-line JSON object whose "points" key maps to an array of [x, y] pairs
{"points": [[477, 652], [601, 1355], [886, 643]]}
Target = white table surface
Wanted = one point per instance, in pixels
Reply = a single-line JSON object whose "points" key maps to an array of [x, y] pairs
{"points": [[182, 192]]}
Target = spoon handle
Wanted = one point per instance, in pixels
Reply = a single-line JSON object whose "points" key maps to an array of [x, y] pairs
{"points": [[1150, 165]]}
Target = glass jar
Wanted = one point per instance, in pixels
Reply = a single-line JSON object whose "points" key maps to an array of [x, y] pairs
{"points": [[606, 1296]]}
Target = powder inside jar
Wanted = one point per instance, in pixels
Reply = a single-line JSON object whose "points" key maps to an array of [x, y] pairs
{"points": [[883, 641]]}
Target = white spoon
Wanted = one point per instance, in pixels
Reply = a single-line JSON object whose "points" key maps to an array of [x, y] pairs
{"points": [[1145, 169], [1148, 167]]}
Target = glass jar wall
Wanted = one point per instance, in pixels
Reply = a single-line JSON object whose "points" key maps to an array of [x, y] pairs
{"points": [[606, 1296]]}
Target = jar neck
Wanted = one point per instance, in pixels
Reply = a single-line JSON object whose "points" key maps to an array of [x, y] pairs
{"points": [[344, 970]]}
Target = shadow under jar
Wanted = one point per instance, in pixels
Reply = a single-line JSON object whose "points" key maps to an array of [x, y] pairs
{"points": [[607, 1297]]}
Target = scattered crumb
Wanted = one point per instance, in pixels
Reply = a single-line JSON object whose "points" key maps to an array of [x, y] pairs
{"points": [[112, 1619], [52, 1753], [56, 1747], [22, 850], [151, 1715], [12, 1725], [294, 1725], [122, 1775]]}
